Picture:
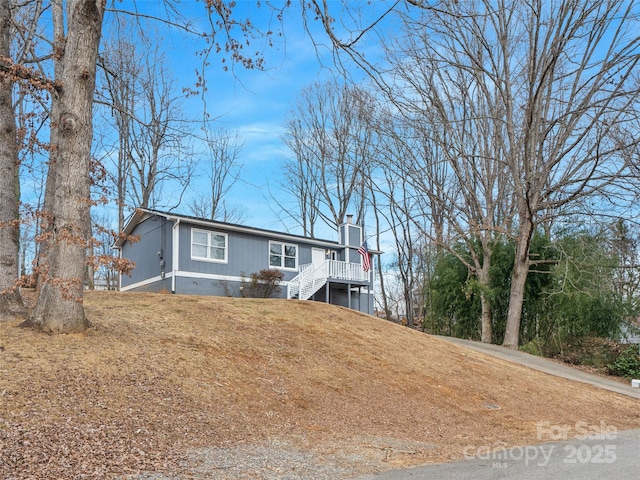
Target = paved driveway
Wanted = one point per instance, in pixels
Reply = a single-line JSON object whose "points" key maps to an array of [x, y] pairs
{"points": [[548, 366]]}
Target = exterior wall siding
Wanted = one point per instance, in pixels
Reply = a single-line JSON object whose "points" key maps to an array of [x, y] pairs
{"points": [[152, 286], [245, 254], [217, 287], [355, 235], [155, 237]]}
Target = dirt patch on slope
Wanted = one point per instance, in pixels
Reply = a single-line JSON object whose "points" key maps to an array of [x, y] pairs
{"points": [[163, 377]]}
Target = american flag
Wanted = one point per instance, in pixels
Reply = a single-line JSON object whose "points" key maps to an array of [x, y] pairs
{"points": [[366, 259]]}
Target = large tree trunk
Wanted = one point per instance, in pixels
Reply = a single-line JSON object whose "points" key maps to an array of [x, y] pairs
{"points": [[487, 329], [46, 226], [518, 282], [485, 302], [10, 299], [59, 307]]}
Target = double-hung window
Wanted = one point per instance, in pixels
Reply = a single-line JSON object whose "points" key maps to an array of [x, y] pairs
{"points": [[210, 246], [283, 255]]}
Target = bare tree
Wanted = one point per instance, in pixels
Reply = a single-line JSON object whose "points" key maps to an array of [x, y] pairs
{"points": [[157, 139], [329, 133], [442, 176], [554, 84], [407, 251], [572, 142], [299, 180], [10, 299], [121, 67], [439, 138], [146, 111], [376, 209], [221, 160], [625, 240], [58, 46], [31, 89], [100, 264]]}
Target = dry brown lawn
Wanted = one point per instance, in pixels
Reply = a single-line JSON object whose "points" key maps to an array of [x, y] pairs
{"points": [[161, 375]]}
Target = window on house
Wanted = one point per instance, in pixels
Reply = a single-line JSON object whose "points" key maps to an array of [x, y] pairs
{"points": [[283, 255], [211, 246]]}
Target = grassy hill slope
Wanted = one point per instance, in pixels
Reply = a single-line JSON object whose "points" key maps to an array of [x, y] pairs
{"points": [[160, 375]]}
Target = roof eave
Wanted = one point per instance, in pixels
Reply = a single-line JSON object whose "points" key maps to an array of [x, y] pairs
{"points": [[141, 213]]}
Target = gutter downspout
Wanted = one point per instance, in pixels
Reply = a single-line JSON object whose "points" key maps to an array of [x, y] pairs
{"points": [[119, 286], [175, 253]]}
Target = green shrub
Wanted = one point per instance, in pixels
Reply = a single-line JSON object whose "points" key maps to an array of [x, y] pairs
{"points": [[627, 364], [591, 351], [533, 347]]}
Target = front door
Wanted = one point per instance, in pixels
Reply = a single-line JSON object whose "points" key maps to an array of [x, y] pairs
{"points": [[317, 256]]}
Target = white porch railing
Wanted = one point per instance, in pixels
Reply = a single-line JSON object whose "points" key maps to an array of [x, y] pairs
{"points": [[312, 276], [346, 271]]}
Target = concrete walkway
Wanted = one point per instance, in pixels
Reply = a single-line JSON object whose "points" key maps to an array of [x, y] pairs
{"points": [[547, 366]]}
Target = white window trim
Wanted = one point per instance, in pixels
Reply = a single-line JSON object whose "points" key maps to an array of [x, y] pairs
{"points": [[209, 233], [284, 245]]}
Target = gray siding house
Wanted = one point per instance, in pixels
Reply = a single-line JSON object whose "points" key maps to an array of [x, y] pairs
{"points": [[188, 255]]}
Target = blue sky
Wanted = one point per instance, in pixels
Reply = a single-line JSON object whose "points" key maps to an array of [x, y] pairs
{"points": [[253, 103]]}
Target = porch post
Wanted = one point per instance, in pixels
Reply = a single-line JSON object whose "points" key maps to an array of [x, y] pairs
{"points": [[327, 288], [349, 295]]}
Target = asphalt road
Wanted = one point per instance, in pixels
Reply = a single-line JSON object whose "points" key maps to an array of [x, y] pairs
{"points": [[605, 456], [598, 454]]}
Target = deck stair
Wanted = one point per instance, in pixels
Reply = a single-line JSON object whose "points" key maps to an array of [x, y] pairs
{"points": [[309, 280]]}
